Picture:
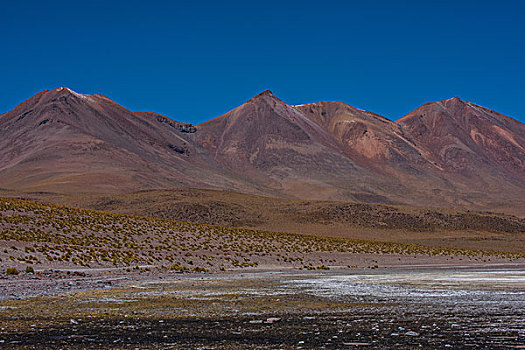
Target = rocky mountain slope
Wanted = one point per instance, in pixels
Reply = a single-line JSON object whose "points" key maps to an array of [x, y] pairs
{"points": [[63, 141], [449, 153]]}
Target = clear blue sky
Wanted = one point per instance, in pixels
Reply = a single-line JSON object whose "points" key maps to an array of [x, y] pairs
{"points": [[195, 60]]}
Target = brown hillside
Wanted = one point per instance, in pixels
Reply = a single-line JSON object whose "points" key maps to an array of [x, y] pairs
{"points": [[445, 154]]}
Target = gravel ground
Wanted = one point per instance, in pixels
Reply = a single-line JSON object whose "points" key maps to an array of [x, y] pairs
{"points": [[405, 308]]}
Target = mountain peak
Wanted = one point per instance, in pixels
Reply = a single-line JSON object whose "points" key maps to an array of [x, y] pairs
{"points": [[265, 96], [63, 88], [454, 101], [451, 105], [65, 91], [266, 93]]}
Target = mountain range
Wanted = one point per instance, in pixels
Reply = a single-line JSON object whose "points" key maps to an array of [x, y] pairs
{"points": [[449, 153]]}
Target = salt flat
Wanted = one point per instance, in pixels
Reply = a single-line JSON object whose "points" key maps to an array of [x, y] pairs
{"points": [[282, 309]]}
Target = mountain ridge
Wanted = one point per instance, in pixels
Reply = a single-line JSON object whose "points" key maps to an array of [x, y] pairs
{"points": [[450, 152]]}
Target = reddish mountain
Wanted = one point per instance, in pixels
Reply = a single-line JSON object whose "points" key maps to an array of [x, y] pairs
{"points": [[369, 139], [59, 140], [274, 144], [447, 153], [481, 151], [462, 137]]}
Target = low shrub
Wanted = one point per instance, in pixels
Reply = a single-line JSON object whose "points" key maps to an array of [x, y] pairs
{"points": [[200, 269], [11, 271]]}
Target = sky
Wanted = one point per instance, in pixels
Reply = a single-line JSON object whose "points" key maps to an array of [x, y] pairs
{"points": [[195, 60]]}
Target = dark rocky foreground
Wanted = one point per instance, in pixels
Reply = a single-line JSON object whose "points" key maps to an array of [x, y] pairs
{"points": [[330, 331], [380, 310]]}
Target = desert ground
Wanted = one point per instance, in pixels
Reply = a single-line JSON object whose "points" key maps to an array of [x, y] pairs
{"points": [[464, 307], [376, 222], [81, 278]]}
